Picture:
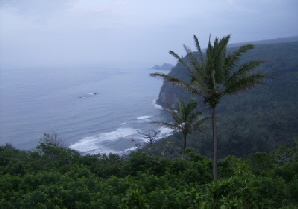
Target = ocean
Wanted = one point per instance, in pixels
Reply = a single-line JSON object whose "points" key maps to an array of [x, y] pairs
{"points": [[92, 110]]}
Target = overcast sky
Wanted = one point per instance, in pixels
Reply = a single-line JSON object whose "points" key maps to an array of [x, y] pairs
{"points": [[134, 33]]}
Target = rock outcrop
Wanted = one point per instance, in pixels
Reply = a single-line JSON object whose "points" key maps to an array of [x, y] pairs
{"points": [[165, 66]]}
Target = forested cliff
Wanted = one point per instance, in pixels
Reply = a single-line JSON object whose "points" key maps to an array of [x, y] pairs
{"points": [[280, 59], [259, 119]]}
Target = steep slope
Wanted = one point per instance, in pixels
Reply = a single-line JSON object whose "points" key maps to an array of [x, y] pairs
{"points": [[256, 120], [279, 59]]}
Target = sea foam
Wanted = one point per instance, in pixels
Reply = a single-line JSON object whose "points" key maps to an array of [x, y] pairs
{"points": [[144, 117], [157, 106], [165, 132], [96, 144]]}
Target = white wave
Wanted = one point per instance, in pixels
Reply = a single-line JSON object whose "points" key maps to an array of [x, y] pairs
{"points": [[157, 106], [165, 132], [92, 93], [130, 149], [144, 117], [120, 132], [95, 144], [87, 144]]}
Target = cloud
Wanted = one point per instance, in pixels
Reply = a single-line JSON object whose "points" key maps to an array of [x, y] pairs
{"points": [[131, 31]]}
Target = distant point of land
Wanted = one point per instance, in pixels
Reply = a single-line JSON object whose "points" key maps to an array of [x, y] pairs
{"points": [[165, 66]]}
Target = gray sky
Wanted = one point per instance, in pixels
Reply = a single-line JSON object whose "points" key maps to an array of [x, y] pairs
{"points": [[131, 33]]}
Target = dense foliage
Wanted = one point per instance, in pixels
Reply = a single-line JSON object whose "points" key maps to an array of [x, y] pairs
{"points": [[56, 177], [215, 74], [185, 119], [257, 120]]}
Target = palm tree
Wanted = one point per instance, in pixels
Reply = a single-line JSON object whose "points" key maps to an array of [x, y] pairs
{"points": [[185, 119], [214, 74]]}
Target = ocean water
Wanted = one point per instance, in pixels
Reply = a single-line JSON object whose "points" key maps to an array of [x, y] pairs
{"points": [[92, 110]]}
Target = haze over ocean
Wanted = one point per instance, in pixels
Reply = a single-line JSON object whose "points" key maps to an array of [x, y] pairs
{"points": [[93, 110], [116, 33]]}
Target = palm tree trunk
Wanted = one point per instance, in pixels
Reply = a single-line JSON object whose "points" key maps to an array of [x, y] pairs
{"points": [[184, 147], [214, 145]]}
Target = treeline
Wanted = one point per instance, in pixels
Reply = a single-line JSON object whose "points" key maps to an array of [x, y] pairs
{"points": [[53, 176], [257, 120]]}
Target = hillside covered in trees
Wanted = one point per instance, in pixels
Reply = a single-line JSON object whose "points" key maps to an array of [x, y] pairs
{"points": [[53, 176], [257, 120]]}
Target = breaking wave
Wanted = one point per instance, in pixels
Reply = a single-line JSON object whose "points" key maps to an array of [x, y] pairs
{"points": [[165, 132], [157, 106], [144, 117], [99, 143]]}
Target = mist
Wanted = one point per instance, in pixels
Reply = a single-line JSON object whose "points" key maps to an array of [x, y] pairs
{"points": [[130, 33]]}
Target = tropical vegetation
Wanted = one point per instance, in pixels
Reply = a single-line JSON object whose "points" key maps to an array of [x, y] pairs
{"points": [[259, 120], [215, 74], [53, 176], [185, 119]]}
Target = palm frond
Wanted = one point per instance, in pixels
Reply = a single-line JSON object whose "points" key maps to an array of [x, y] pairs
{"points": [[232, 59], [246, 83], [193, 60], [202, 87], [220, 45], [176, 115], [218, 58], [244, 70], [180, 60], [198, 47], [184, 117], [201, 122], [176, 82]]}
